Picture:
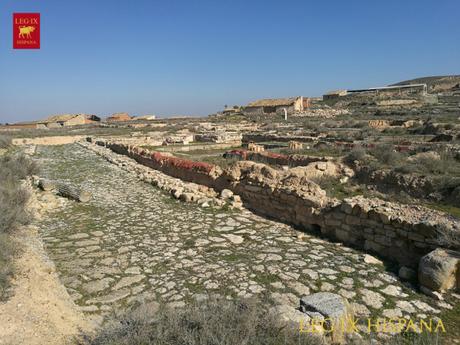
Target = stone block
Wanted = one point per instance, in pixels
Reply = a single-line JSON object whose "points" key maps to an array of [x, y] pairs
{"points": [[416, 236], [346, 227], [406, 273], [373, 215], [332, 222], [328, 304], [342, 235], [347, 208], [439, 270], [385, 218], [383, 240], [368, 230], [339, 215], [351, 220]]}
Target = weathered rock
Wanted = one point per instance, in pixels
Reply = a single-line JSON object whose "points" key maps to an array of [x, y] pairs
{"points": [[46, 185], [430, 155], [439, 270], [97, 285], [289, 314], [234, 238], [226, 194], [73, 193], [431, 293], [328, 304], [372, 299], [406, 273], [369, 259]]}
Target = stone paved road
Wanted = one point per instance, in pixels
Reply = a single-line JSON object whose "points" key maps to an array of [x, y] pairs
{"points": [[132, 243]]}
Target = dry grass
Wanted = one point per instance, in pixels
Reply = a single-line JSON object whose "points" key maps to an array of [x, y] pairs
{"points": [[13, 213], [5, 142], [216, 322], [221, 322]]}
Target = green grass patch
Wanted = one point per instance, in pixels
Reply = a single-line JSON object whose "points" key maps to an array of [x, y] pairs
{"points": [[266, 278]]}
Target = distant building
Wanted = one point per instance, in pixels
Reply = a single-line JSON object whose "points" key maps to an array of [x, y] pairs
{"points": [[275, 106], [401, 89], [118, 117], [231, 110], [58, 121], [334, 94], [69, 120], [406, 88], [145, 117]]}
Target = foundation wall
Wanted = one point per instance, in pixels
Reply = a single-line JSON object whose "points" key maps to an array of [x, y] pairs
{"points": [[275, 158], [53, 140], [400, 233]]}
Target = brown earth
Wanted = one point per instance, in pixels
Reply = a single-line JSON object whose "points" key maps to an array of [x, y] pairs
{"points": [[40, 311]]}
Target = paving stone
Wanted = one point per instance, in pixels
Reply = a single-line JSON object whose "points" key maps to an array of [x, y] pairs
{"points": [[127, 281], [96, 285], [372, 299], [328, 304]]}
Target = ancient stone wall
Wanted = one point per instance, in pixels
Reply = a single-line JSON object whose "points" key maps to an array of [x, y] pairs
{"points": [[52, 140], [187, 170], [275, 158], [397, 232], [261, 137], [402, 233], [389, 180]]}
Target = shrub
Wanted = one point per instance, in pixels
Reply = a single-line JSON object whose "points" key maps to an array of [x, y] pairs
{"points": [[219, 322], [13, 212], [13, 200], [446, 165], [357, 154], [386, 155], [216, 322], [8, 249], [5, 142], [17, 167]]}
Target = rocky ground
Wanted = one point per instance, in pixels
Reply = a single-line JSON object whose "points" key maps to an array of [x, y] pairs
{"points": [[133, 244]]}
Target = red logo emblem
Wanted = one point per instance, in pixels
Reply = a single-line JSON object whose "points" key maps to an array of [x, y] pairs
{"points": [[26, 30]]}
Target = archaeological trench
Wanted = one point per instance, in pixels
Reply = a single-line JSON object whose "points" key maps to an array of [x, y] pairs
{"points": [[159, 228]]}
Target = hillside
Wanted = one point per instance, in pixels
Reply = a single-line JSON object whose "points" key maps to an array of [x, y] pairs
{"points": [[435, 83]]}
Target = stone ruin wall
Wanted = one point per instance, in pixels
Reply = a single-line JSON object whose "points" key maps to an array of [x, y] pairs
{"points": [[184, 169], [396, 232], [52, 140], [276, 158], [261, 137], [400, 233]]}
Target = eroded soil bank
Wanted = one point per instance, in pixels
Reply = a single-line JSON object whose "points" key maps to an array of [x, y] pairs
{"points": [[40, 310]]}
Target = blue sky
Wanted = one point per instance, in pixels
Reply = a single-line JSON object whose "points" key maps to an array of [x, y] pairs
{"points": [[191, 57]]}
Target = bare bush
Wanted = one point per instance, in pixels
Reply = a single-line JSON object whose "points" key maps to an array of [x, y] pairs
{"points": [[8, 249], [13, 200], [357, 154], [446, 165], [217, 322], [13, 213], [5, 142], [386, 155], [17, 167]]}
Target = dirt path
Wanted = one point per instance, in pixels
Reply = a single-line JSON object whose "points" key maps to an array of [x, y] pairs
{"points": [[41, 310]]}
